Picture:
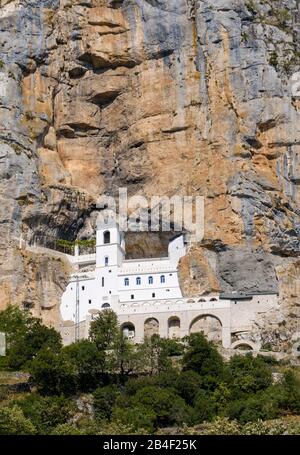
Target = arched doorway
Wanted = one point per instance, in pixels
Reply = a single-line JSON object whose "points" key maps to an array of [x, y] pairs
{"points": [[244, 345], [174, 327], [210, 325], [128, 330], [151, 327]]}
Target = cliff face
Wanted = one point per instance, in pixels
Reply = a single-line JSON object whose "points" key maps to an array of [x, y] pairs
{"points": [[163, 97]]}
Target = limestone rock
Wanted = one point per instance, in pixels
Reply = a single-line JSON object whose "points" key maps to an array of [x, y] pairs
{"points": [[162, 97]]}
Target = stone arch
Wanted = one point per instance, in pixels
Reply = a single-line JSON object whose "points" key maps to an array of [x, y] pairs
{"points": [[210, 325], [191, 301], [151, 327], [174, 327], [128, 330], [244, 345], [202, 300]]}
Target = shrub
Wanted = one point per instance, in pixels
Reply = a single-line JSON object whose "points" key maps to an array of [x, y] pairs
{"points": [[247, 375], [188, 384], [205, 408], [88, 363], [13, 422], [169, 408], [203, 358], [46, 412], [104, 400], [138, 418], [27, 345], [53, 373]]}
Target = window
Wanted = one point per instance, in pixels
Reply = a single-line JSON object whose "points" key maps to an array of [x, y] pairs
{"points": [[153, 295], [162, 279], [132, 296], [150, 280], [106, 237], [138, 280], [102, 281], [106, 261], [82, 287], [126, 282], [90, 301]]}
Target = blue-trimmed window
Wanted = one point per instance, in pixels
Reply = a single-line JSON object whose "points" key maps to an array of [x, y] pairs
{"points": [[126, 281], [150, 279], [138, 280], [162, 278], [106, 261]]}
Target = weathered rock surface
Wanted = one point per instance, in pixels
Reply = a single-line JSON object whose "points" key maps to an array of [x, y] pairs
{"points": [[164, 97]]}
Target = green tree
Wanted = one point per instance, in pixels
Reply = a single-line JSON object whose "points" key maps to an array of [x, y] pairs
{"points": [[104, 330], [88, 363], [104, 400], [46, 412], [247, 375], [204, 407], [169, 408], [155, 355], [13, 422], [203, 358], [188, 384], [14, 323], [36, 337], [53, 373], [137, 417]]}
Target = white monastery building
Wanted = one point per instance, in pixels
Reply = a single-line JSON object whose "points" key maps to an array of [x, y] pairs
{"points": [[146, 296]]}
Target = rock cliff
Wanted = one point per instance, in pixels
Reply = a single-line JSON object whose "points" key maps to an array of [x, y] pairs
{"points": [[164, 97]]}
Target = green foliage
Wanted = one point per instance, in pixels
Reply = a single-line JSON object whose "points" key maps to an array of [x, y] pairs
{"points": [[138, 388], [205, 408], [188, 385], [203, 358], [13, 422], [88, 363], [27, 345], [248, 375], [14, 323], [137, 417], [25, 336], [46, 412], [168, 407], [156, 353], [53, 373], [104, 400], [104, 330], [274, 59]]}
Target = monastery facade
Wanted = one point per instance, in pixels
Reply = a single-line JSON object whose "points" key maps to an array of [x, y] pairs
{"points": [[146, 296]]}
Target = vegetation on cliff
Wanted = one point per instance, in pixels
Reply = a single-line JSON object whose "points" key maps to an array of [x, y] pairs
{"points": [[108, 385]]}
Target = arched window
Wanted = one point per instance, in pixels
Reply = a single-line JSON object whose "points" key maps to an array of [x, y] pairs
{"points": [[162, 278], [126, 282], [150, 280], [106, 237], [106, 261], [138, 280]]}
